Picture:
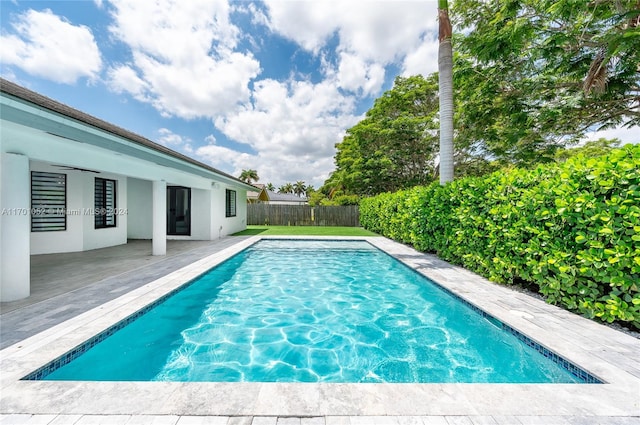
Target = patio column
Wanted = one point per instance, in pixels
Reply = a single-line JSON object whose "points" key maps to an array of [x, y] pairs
{"points": [[159, 244], [15, 227]]}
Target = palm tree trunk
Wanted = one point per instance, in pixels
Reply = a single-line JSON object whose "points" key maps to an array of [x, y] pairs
{"points": [[445, 82]]}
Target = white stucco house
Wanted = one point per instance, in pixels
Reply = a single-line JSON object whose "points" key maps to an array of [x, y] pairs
{"points": [[71, 182]]}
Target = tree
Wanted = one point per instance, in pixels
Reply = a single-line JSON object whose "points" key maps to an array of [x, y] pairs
{"points": [[249, 176], [445, 84], [299, 188], [591, 149], [395, 146], [535, 75], [270, 187], [286, 188]]}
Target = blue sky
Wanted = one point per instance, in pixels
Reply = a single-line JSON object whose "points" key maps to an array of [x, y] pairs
{"points": [[270, 86]]}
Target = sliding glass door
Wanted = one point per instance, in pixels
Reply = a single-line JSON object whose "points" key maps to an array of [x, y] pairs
{"points": [[178, 210]]}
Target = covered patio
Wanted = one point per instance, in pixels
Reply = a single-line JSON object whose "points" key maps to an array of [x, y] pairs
{"points": [[70, 182], [87, 279]]}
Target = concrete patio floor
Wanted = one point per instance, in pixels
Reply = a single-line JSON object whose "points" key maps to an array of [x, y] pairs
{"points": [[75, 296], [65, 285]]}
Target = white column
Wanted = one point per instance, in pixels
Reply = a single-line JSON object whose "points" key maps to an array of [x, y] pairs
{"points": [[15, 221], [159, 246]]}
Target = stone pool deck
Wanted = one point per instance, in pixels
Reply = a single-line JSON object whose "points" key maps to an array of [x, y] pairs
{"points": [[612, 356]]}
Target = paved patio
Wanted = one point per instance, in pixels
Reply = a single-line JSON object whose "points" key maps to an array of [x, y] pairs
{"points": [[95, 293], [65, 285]]}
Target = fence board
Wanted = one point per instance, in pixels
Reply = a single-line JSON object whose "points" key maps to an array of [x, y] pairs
{"points": [[302, 215]]}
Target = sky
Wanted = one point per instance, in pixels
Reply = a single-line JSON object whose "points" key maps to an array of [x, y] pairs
{"points": [[270, 86]]}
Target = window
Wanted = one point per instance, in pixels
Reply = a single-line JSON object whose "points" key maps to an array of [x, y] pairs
{"points": [[230, 203], [105, 203], [48, 201]]}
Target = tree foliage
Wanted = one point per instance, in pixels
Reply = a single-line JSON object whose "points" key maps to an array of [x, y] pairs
{"points": [[535, 75], [299, 188], [531, 78], [590, 149], [395, 145], [286, 188], [249, 176]]}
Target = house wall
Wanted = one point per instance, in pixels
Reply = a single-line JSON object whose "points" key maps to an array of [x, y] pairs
{"points": [[81, 234], [69, 240], [221, 225], [140, 208], [207, 212], [54, 154], [218, 219]]}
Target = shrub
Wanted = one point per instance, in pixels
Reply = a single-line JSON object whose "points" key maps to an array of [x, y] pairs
{"points": [[571, 229]]}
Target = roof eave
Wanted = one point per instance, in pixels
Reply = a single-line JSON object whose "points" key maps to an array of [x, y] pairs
{"points": [[20, 93]]}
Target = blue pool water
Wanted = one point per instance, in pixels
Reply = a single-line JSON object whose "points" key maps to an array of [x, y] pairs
{"points": [[312, 311]]}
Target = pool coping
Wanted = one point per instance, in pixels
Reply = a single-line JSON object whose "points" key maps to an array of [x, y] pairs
{"points": [[606, 353]]}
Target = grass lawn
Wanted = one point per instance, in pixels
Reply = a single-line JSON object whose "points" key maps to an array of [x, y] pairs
{"points": [[305, 230]]}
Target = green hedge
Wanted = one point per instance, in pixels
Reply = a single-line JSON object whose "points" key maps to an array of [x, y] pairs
{"points": [[571, 229]]}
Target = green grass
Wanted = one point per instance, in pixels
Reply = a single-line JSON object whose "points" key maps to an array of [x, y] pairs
{"points": [[305, 230]]}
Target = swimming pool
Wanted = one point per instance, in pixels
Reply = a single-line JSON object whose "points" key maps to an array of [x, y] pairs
{"points": [[303, 311]]}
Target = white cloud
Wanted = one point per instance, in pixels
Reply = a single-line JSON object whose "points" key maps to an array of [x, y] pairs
{"points": [[48, 46], [372, 34], [355, 74], [123, 78], [227, 160], [310, 24], [270, 168], [423, 60], [293, 126], [291, 118], [374, 30], [175, 141], [186, 63], [183, 52]]}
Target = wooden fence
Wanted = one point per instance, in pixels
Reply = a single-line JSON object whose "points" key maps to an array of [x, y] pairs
{"points": [[302, 215]]}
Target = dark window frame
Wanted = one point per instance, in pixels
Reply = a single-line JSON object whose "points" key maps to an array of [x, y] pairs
{"points": [[230, 203], [104, 214], [48, 215]]}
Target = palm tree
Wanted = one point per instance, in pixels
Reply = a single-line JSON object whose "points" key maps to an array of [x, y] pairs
{"points": [[286, 188], [299, 188], [249, 176], [445, 83], [270, 187]]}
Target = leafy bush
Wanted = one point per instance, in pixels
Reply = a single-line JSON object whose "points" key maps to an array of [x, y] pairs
{"points": [[571, 229]]}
